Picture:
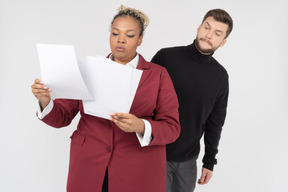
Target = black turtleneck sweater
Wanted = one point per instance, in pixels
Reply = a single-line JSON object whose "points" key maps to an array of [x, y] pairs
{"points": [[201, 84]]}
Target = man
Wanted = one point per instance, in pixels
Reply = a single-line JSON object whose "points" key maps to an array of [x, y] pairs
{"points": [[201, 84]]}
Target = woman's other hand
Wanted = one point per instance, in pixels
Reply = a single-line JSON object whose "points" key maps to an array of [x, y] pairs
{"points": [[128, 122], [41, 92]]}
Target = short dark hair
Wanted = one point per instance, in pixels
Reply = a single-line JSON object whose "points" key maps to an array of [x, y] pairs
{"points": [[140, 16], [222, 16]]}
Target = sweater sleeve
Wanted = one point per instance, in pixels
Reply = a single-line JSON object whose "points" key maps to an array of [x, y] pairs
{"points": [[213, 126]]}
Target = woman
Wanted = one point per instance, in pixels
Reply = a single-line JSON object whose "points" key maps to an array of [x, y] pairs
{"points": [[109, 151]]}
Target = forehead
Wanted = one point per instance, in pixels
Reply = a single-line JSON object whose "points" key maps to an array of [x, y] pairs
{"points": [[125, 23], [215, 24]]}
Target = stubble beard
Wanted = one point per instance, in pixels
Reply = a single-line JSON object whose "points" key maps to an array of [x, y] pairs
{"points": [[204, 51]]}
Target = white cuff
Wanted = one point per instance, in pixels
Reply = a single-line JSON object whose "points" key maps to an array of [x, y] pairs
{"points": [[146, 139], [46, 110]]}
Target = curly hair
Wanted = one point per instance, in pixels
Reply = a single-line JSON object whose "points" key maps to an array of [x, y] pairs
{"points": [[140, 16]]}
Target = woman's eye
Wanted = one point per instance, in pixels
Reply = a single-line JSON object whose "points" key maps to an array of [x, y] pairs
{"points": [[114, 34], [130, 36]]}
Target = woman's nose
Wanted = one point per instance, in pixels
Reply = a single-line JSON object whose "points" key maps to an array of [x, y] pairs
{"points": [[121, 39]]}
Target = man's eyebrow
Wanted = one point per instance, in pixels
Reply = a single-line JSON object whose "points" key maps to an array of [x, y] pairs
{"points": [[207, 23], [218, 30]]}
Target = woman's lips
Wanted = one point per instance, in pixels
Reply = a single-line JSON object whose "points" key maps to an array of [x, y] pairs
{"points": [[120, 49]]}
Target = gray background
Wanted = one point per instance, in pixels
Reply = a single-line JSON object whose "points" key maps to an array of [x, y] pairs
{"points": [[253, 150]]}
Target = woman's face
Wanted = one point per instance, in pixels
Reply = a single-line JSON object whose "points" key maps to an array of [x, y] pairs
{"points": [[124, 38]]}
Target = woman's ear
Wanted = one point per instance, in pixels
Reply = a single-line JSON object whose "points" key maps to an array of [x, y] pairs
{"points": [[140, 40]]}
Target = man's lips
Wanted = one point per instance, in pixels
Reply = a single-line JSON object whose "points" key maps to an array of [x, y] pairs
{"points": [[206, 41], [120, 49]]}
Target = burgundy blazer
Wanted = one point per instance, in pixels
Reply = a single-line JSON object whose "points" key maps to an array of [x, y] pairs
{"points": [[98, 143]]}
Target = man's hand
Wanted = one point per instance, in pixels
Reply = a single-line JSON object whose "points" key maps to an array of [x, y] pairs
{"points": [[205, 177]]}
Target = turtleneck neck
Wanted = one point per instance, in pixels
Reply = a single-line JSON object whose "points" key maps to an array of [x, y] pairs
{"points": [[197, 54]]}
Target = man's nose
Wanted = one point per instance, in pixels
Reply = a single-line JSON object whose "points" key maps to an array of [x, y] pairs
{"points": [[209, 34]]}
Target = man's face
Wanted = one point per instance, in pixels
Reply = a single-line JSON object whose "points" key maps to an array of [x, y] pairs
{"points": [[210, 36]]}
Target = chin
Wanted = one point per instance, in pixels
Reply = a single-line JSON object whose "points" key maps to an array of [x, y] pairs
{"points": [[206, 51]]}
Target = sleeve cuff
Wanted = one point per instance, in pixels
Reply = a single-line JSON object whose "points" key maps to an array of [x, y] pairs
{"points": [[208, 166], [145, 139], [46, 110]]}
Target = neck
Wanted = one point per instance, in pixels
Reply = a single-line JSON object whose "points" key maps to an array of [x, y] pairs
{"points": [[198, 54], [123, 62]]}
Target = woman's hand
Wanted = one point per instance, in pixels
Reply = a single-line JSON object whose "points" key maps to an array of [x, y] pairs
{"points": [[128, 122], [41, 92]]}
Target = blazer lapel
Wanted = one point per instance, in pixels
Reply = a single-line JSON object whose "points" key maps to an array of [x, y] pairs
{"points": [[144, 66]]}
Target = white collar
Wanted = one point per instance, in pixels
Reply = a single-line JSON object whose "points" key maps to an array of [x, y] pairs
{"points": [[133, 63]]}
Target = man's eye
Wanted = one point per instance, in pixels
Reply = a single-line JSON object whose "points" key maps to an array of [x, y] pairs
{"points": [[115, 34]]}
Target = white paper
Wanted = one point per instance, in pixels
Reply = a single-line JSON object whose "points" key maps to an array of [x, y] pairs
{"points": [[135, 79], [104, 85], [60, 72], [112, 85]]}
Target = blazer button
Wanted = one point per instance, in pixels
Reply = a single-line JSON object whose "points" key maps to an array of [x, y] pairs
{"points": [[109, 123], [108, 149]]}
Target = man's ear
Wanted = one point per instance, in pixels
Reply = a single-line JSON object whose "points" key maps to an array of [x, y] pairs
{"points": [[223, 43], [198, 28]]}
